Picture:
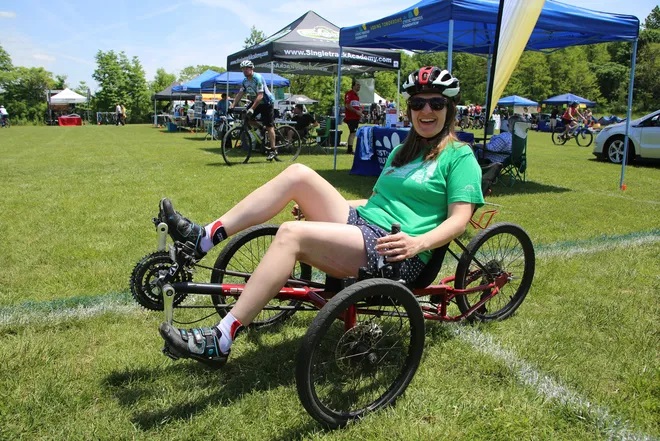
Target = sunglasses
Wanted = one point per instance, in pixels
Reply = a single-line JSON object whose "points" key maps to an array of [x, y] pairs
{"points": [[417, 103]]}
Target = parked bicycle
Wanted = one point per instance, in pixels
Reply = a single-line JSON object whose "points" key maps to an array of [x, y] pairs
{"points": [[582, 134], [250, 138]]}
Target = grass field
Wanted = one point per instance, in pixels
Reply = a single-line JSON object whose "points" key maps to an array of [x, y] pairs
{"points": [[79, 360]]}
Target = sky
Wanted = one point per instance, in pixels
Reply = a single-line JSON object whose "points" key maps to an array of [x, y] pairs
{"points": [[63, 36]]}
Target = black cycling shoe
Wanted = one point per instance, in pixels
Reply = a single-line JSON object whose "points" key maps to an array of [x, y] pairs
{"points": [[182, 229], [201, 344]]}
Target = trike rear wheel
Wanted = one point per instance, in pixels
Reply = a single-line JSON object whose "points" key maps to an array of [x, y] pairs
{"points": [[502, 249], [360, 352], [242, 254]]}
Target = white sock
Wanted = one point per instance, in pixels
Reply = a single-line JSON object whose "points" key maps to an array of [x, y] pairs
{"points": [[228, 327], [215, 233]]}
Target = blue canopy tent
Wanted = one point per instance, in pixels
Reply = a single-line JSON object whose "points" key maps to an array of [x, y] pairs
{"points": [[235, 79], [515, 100], [567, 99], [471, 25], [195, 84]]}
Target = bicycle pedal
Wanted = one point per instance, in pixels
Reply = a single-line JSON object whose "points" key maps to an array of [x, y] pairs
{"points": [[169, 353]]}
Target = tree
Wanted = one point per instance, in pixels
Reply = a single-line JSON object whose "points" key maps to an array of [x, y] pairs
{"points": [[255, 37], [653, 20], [190, 72], [25, 93], [161, 80], [5, 61], [112, 80], [138, 104]]}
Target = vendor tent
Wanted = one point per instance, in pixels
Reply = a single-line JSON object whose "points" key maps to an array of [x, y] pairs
{"points": [[233, 81], [567, 99], [194, 85], [471, 25], [310, 46], [302, 99], [67, 96], [515, 100], [169, 94]]}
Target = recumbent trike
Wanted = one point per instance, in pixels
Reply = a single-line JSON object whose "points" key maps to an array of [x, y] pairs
{"points": [[364, 346]]}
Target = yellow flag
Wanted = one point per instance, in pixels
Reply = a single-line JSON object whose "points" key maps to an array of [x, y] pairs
{"points": [[518, 20]]}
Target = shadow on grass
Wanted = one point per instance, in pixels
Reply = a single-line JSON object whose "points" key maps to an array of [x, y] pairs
{"points": [[140, 389], [637, 163], [528, 187], [192, 388]]}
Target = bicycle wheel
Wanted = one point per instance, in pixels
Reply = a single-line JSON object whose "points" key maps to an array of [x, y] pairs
{"points": [[242, 254], [584, 138], [501, 249], [236, 146], [558, 139], [287, 150], [343, 372]]}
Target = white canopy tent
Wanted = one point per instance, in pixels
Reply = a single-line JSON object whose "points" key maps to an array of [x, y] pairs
{"points": [[67, 96]]}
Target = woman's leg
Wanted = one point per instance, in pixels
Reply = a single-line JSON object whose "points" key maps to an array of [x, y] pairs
{"points": [[317, 198], [336, 249]]}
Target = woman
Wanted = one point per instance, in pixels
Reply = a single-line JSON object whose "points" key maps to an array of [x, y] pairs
{"points": [[430, 185]]}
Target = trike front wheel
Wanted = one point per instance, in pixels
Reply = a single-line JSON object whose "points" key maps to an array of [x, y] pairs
{"points": [[360, 352], [502, 250], [241, 256]]}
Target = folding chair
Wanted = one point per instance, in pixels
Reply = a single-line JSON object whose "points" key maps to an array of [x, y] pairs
{"points": [[515, 166]]}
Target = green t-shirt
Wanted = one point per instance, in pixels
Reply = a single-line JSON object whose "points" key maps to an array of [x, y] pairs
{"points": [[417, 195]]}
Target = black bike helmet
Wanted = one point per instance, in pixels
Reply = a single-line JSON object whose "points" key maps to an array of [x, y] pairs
{"points": [[431, 79]]}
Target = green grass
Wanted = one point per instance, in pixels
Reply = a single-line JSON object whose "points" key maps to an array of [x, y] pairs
{"points": [[76, 215]]}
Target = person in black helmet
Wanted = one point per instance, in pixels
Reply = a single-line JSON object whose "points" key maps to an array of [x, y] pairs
{"points": [[430, 185]]}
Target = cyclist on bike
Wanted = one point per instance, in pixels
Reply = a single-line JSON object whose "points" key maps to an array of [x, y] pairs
{"points": [[262, 102], [4, 115], [568, 118], [431, 185]]}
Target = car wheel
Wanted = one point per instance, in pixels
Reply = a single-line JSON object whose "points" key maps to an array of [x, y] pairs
{"points": [[614, 150]]}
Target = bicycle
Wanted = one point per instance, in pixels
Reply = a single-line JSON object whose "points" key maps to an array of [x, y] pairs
{"points": [[221, 125], [582, 134], [362, 349], [5, 122], [250, 136]]}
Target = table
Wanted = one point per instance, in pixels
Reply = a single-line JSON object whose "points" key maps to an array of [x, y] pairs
{"points": [[69, 120], [375, 143]]}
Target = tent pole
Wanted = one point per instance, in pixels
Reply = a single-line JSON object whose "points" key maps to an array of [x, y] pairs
{"points": [[398, 90], [155, 114], [337, 100], [633, 61], [450, 45], [491, 79]]}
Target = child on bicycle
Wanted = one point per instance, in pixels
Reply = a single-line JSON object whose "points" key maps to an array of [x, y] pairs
{"points": [[569, 119], [430, 185], [4, 115]]}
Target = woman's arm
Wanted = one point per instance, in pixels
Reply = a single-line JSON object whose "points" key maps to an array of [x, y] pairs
{"points": [[400, 246]]}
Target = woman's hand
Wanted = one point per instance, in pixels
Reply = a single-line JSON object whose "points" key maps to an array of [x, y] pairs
{"points": [[297, 213], [398, 247]]}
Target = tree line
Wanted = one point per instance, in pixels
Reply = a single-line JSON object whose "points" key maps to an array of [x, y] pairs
{"points": [[599, 72]]}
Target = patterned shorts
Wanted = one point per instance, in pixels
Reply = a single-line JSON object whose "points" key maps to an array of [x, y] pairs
{"points": [[410, 268]]}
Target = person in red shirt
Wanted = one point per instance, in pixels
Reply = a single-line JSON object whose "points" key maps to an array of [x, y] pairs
{"points": [[569, 119], [353, 113]]}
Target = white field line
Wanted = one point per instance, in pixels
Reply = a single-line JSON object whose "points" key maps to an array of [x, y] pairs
{"points": [[546, 387], [23, 316], [570, 250], [619, 195]]}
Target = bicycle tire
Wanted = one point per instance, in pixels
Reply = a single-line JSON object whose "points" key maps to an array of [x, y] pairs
{"points": [[237, 146], [558, 139], [287, 150], [501, 248], [243, 253], [342, 374], [584, 138]]}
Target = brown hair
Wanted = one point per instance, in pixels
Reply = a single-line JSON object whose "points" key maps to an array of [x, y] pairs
{"points": [[415, 144]]}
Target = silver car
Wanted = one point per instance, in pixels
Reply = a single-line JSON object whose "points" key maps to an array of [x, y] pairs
{"points": [[644, 139]]}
